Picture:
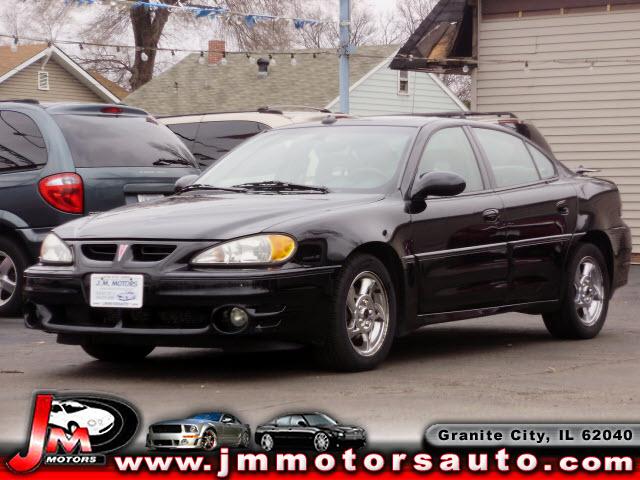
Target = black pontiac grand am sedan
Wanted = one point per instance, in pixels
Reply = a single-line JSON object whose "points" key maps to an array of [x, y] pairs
{"points": [[341, 235]]}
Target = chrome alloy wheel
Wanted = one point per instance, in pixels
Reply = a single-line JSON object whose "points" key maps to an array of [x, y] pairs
{"points": [[367, 314], [8, 278], [589, 289], [266, 442], [321, 442], [209, 440]]}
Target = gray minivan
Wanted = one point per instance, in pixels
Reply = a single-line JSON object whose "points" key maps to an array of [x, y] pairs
{"points": [[65, 160]]}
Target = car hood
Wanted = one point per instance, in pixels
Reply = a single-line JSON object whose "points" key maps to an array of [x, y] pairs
{"points": [[206, 216], [184, 421], [347, 429]]}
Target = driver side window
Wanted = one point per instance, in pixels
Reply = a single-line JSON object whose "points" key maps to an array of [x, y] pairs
{"points": [[449, 150]]}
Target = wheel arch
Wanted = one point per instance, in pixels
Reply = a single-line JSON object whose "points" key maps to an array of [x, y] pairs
{"points": [[601, 240], [389, 257]]}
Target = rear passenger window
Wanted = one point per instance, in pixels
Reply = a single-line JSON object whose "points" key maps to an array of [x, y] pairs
{"points": [[21, 144], [215, 139], [508, 157], [449, 150], [544, 164]]}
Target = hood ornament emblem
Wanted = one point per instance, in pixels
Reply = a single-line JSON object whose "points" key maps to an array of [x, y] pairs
{"points": [[122, 249]]}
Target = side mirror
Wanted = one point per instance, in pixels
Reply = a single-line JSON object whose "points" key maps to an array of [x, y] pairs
{"points": [[183, 182], [439, 184]]}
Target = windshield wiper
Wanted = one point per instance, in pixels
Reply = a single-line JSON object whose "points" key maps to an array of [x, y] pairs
{"points": [[278, 186], [200, 186], [172, 161]]}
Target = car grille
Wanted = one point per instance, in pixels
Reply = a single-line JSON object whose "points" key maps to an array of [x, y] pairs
{"points": [[143, 252], [166, 429], [164, 443], [151, 253], [169, 318], [102, 252]]}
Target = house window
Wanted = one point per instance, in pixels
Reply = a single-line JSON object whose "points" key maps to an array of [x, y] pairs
{"points": [[43, 80], [403, 82]]}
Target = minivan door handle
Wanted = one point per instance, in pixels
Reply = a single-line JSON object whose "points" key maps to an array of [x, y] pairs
{"points": [[563, 208], [491, 215]]}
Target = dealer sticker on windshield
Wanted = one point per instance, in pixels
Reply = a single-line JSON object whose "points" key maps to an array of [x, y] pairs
{"points": [[116, 291]]}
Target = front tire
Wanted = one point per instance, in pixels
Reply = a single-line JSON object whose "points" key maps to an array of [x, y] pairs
{"points": [[321, 442], [117, 353], [362, 321], [244, 440], [583, 309], [209, 441], [13, 263]]}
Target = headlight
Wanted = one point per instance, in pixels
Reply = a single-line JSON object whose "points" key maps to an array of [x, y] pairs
{"points": [[340, 434], [91, 423], [55, 251], [259, 249], [193, 428]]}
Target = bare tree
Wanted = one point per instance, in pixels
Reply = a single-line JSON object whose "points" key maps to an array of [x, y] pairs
{"points": [[410, 13], [45, 18]]}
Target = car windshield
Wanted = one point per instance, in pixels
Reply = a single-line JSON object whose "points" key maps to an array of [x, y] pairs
{"points": [[72, 408], [319, 419], [336, 159], [212, 417]]}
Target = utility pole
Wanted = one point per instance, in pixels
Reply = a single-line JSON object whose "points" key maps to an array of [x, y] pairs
{"points": [[345, 51]]}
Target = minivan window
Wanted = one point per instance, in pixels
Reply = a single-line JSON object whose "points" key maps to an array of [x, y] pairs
{"points": [[21, 144], [215, 139], [508, 157], [449, 150], [122, 141], [544, 164]]}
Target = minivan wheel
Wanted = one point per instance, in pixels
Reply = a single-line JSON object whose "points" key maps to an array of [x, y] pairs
{"points": [[13, 262], [117, 353], [362, 320], [583, 310]]}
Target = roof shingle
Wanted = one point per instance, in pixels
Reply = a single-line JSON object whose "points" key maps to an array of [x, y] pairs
{"points": [[189, 87]]}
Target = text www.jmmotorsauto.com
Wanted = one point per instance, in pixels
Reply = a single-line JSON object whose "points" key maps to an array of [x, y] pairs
{"points": [[348, 461]]}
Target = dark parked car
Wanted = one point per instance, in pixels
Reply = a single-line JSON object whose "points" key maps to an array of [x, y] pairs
{"points": [[59, 162], [342, 235], [307, 431]]}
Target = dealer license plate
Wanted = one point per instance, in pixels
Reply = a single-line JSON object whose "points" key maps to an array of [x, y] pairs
{"points": [[116, 291], [147, 197]]}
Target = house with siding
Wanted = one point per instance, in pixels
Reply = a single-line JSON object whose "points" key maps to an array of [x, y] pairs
{"points": [[47, 74], [572, 67], [195, 85]]}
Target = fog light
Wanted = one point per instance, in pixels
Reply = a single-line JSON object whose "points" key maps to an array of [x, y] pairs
{"points": [[184, 441], [238, 317]]}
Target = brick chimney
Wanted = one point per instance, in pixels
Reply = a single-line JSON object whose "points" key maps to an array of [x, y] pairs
{"points": [[216, 50]]}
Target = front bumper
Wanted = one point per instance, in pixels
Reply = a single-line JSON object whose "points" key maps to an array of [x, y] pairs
{"points": [[173, 440], [180, 308]]}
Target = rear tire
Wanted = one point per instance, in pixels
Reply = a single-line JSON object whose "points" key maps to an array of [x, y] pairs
{"points": [[13, 263], [117, 353], [583, 310], [361, 323]]}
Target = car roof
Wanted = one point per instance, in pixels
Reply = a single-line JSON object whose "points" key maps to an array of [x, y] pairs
{"points": [[270, 117], [74, 107]]}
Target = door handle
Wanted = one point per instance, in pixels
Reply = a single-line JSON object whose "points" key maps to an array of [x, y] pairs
{"points": [[563, 208], [491, 215]]}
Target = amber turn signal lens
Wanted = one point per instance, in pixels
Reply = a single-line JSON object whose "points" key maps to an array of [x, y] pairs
{"points": [[282, 247]]}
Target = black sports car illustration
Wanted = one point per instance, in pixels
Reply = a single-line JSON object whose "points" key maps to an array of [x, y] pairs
{"points": [[301, 431]]}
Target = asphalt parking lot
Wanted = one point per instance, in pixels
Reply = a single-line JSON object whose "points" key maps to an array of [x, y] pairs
{"points": [[504, 368]]}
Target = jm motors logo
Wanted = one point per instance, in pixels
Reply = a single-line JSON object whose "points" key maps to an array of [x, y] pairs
{"points": [[75, 430]]}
